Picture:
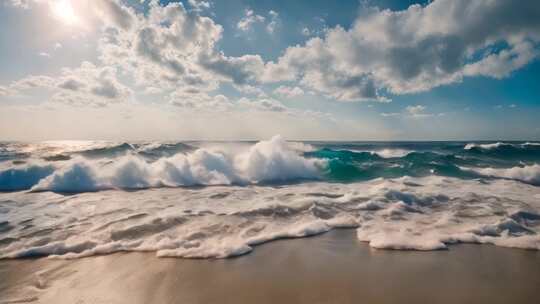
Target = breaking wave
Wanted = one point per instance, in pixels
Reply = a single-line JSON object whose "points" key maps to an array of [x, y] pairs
{"points": [[529, 174], [265, 162], [82, 167]]}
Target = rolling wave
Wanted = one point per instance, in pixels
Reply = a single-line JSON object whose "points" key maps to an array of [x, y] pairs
{"points": [[265, 162], [507, 151], [100, 166]]}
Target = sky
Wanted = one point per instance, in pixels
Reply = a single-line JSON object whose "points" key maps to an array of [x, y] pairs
{"points": [[251, 69]]}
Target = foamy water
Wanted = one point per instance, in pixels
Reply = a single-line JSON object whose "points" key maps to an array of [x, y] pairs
{"points": [[216, 200]]}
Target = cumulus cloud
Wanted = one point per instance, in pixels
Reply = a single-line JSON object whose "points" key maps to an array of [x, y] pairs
{"points": [[199, 5], [22, 3], [248, 20], [90, 85], [417, 111], [274, 23], [250, 90], [32, 82], [305, 31], [194, 99], [417, 49], [251, 22], [115, 13], [239, 70], [264, 104], [289, 92], [5, 91], [173, 47], [85, 85], [166, 48], [383, 52], [412, 111], [390, 114]]}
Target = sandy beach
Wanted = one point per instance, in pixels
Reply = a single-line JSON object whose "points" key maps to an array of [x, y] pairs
{"points": [[330, 268]]}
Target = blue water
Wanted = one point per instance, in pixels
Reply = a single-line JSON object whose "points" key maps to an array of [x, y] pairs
{"points": [[24, 165]]}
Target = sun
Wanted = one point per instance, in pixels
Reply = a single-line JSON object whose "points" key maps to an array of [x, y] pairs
{"points": [[63, 10]]}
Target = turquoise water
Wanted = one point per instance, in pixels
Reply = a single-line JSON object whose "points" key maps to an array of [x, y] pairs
{"points": [[25, 165]]}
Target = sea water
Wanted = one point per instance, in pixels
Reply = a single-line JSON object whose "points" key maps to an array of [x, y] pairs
{"points": [[71, 199]]}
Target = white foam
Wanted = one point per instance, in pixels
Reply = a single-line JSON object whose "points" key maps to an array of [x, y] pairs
{"points": [[222, 221], [401, 240], [266, 161], [498, 145], [529, 174], [391, 153], [484, 146]]}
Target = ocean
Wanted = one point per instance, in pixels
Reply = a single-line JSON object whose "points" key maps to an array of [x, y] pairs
{"points": [[71, 199]]}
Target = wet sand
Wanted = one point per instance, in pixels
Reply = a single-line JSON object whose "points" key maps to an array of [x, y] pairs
{"points": [[331, 268]]}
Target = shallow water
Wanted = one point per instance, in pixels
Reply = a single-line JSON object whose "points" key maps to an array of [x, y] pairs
{"points": [[331, 268]]}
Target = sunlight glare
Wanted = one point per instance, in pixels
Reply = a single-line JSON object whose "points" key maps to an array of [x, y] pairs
{"points": [[63, 10]]}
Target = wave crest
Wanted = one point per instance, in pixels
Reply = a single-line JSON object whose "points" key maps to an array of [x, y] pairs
{"points": [[265, 162], [529, 174]]}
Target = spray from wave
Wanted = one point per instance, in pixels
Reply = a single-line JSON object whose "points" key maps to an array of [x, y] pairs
{"points": [[269, 161], [82, 167]]}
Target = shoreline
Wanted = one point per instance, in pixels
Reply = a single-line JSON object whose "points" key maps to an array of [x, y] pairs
{"points": [[333, 267]]}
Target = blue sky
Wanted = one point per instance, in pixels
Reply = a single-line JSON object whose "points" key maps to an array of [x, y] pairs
{"points": [[342, 70]]}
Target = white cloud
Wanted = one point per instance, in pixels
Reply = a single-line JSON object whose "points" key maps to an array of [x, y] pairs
{"points": [[274, 23], [5, 91], [194, 99], [25, 4], [251, 21], [251, 90], [159, 52], [417, 49], [85, 85], [32, 82], [199, 5], [289, 92], [392, 114], [44, 54], [305, 31], [383, 52], [417, 110], [248, 20], [265, 105]]}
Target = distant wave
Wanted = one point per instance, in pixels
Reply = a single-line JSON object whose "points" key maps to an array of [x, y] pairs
{"points": [[391, 153], [506, 151], [498, 145], [529, 174], [384, 153], [485, 146]]}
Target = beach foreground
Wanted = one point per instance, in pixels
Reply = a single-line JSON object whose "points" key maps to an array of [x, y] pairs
{"points": [[330, 268]]}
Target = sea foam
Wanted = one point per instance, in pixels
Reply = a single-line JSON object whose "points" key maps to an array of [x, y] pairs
{"points": [[529, 174], [428, 213]]}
